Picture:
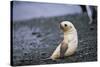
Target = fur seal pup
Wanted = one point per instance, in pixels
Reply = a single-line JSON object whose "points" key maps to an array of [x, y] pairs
{"points": [[70, 42]]}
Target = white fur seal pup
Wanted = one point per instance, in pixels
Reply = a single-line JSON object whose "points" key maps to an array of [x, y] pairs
{"points": [[69, 45]]}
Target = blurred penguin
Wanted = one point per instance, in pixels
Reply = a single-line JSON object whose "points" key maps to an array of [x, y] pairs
{"points": [[91, 12]]}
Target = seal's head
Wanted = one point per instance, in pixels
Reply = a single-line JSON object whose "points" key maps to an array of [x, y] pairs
{"points": [[66, 26]]}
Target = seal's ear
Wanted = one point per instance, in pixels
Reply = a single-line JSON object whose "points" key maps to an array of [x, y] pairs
{"points": [[70, 26]]}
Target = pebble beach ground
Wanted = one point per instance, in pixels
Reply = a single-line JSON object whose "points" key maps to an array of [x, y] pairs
{"points": [[36, 39]]}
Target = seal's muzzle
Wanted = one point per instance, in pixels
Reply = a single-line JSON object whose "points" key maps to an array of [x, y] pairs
{"points": [[61, 27]]}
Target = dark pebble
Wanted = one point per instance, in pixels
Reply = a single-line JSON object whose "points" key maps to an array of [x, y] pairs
{"points": [[91, 28], [43, 53], [22, 48], [34, 33], [25, 53], [39, 35]]}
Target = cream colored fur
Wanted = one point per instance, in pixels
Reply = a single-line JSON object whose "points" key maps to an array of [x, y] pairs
{"points": [[70, 38]]}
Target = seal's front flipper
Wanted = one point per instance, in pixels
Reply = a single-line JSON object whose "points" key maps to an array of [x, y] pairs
{"points": [[63, 49]]}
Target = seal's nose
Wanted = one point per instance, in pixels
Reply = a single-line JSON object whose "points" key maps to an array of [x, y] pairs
{"points": [[61, 26]]}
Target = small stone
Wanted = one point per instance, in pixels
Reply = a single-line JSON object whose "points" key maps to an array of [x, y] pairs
{"points": [[39, 35], [81, 41], [22, 48], [85, 43], [91, 28], [34, 33], [25, 53], [43, 53], [80, 55]]}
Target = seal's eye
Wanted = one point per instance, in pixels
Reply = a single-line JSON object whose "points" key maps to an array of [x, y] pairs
{"points": [[65, 25]]}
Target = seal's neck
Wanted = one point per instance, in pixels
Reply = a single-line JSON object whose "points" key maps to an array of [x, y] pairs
{"points": [[69, 31]]}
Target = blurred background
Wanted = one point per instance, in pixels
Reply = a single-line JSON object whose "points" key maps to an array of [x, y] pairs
{"points": [[36, 32], [28, 10]]}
